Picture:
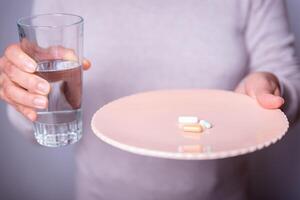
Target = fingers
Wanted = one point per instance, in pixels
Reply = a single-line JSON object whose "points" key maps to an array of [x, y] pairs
{"points": [[55, 53], [86, 64], [240, 88], [270, 101], [60, 52], [27, 112], [277, 91], [18, 58], [31, 82], [20, 96], [4, 97], [264, 87], [267, 97], [19, 86]]}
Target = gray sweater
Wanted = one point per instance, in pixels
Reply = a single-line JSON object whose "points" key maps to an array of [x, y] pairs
{"points": [[139, 45]]}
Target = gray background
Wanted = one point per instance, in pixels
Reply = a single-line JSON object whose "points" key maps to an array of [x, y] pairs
{"points": [[31, 172]]}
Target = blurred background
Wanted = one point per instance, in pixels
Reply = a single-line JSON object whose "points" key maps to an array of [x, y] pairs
{"points": [[32, 172]]}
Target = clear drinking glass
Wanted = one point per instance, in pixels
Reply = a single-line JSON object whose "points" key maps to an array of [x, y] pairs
{"points": [[55, 42]]}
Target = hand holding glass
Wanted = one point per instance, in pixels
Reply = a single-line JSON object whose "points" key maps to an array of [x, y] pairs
{"points": [[55, 42]]}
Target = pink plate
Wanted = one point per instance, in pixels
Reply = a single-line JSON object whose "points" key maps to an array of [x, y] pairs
{"points": [[146, 124]]}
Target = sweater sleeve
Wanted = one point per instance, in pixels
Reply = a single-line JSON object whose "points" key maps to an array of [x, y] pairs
{"points": [[270, 44]]}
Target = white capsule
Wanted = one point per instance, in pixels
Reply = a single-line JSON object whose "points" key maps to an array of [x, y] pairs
{"points": [[187, 119], [205, 124]]}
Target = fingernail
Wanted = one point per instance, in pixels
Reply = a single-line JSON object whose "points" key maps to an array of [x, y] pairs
{"points": [[70, 56], [281, 100], [30, 65], [43, 88], [40, 102]]}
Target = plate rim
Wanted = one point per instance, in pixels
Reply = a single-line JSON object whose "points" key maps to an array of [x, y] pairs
{"points": [[184, 155]]}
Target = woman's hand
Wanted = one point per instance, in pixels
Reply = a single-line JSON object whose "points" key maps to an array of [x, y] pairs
{"points": [[264, 87], [19, 86]]}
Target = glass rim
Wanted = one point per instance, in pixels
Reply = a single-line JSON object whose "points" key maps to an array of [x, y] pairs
{"points": [[21, 21]]}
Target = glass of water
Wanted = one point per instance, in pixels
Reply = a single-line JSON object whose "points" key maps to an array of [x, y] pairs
{"points": [[55, 42]]}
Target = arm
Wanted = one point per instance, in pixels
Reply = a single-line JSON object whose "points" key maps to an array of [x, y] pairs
{"points": [[269, 42]]}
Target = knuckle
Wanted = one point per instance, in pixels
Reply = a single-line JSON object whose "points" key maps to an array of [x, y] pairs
{"points": [[24, 111], [31, 83], [10, 48], [6, 89], [9, 69]]}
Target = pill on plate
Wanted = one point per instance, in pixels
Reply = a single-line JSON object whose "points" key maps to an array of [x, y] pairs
{"points": [[191, 135], [192, 128], [205, 124], [188, 119], [197, 148]]}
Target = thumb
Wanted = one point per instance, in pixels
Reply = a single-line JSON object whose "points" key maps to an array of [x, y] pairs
{"points": [[86, 64], [270, 101], [267, 97]]}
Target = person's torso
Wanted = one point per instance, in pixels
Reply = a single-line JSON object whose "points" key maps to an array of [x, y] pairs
{"points": [[144, 45], [140, 45]]}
